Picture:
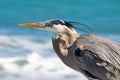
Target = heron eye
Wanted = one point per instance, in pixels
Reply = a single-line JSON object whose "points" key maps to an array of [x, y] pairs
{"points": [[49, 24]]}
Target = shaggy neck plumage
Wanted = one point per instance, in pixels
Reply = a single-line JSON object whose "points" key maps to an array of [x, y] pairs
{"points": [[67, 39]]}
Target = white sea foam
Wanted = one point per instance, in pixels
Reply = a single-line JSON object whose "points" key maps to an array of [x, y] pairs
{"points": [[22, 45], [37, 68]]}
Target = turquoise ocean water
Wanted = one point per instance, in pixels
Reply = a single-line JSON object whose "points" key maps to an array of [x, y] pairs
{"points": [[27, 53]]}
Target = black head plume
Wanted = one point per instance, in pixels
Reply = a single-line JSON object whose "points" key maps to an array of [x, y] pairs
{"points": [[71, 24]]}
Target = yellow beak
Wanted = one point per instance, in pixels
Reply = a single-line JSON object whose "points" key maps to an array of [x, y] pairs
{"points": [[33, 25]]}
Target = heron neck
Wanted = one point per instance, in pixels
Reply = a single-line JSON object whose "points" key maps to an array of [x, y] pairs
{"points": [[70, 37]]}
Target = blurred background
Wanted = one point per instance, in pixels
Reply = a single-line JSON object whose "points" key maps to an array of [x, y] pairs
{"points": [[27, 53]]}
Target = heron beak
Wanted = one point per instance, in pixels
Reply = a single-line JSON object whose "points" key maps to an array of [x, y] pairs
{"points": [[34, 25]]}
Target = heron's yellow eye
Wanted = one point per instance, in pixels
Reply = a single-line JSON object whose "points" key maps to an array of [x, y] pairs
{"points": [[50, 24]]}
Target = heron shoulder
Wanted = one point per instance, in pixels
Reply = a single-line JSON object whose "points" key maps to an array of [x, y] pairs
{"points": [[98, 55], [106, 49]]}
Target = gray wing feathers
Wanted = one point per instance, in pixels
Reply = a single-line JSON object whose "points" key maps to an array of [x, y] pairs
{"points": [[105, 49]]}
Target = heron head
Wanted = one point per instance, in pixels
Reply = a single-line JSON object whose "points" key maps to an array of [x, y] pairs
{"points": [[51, 25]]}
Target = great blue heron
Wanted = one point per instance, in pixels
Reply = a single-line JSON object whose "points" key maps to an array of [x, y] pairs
{"points": [[95, 57]]}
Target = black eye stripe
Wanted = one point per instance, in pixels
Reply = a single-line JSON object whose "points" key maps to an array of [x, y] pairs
{"points": [[57, 22], [49, 24]]}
